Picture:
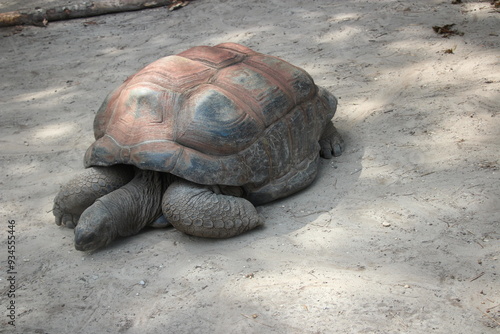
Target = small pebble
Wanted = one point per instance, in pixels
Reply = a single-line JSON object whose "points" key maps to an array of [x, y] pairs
{"points": [[386, 224]]}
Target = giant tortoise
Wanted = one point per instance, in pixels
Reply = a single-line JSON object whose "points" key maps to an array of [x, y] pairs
{"points": [[197, 140]]}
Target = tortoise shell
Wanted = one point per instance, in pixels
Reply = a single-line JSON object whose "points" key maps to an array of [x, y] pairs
{"points": [[223, 115]]}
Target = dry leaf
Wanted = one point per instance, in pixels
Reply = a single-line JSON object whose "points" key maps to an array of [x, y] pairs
{"points": [[446, 30]]}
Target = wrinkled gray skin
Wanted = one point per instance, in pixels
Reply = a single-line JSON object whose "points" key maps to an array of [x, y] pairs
{"points": [[104, 203]]}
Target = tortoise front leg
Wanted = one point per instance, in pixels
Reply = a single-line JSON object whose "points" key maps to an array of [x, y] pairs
{"points": [[82, 191], [197, 210]]}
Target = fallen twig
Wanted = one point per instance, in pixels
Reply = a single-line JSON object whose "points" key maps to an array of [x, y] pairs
{"points": [[491, 308], [489, 316], [477, 242], [475, 278], [41, 17]]}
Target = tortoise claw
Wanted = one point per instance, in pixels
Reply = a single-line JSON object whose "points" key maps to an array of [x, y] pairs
{"points": [[70, 221], [337, 150], [67, 219]]}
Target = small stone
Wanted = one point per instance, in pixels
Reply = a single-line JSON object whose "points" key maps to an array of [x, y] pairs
{"points": [[386, 224]]}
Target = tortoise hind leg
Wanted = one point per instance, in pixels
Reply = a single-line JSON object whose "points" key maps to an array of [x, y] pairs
{"points": [[331, 143], [197, 210], [82, 191]]}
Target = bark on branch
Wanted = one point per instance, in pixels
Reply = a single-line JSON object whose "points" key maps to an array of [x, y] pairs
{"points": [[41, 17]]}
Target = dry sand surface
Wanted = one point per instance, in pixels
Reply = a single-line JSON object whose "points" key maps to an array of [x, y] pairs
{"points": [[398, 235]]}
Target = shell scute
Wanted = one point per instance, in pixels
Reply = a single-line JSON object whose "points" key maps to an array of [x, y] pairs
{"points": [[214, 57], [173, 73], [264, 95], [216, 122], [297, 82]]}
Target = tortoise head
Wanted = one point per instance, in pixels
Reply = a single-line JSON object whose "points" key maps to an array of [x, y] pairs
{"points": [[95, 228]]}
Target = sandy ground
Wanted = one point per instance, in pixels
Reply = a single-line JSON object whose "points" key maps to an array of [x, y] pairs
{"points": [[398, 235]]}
